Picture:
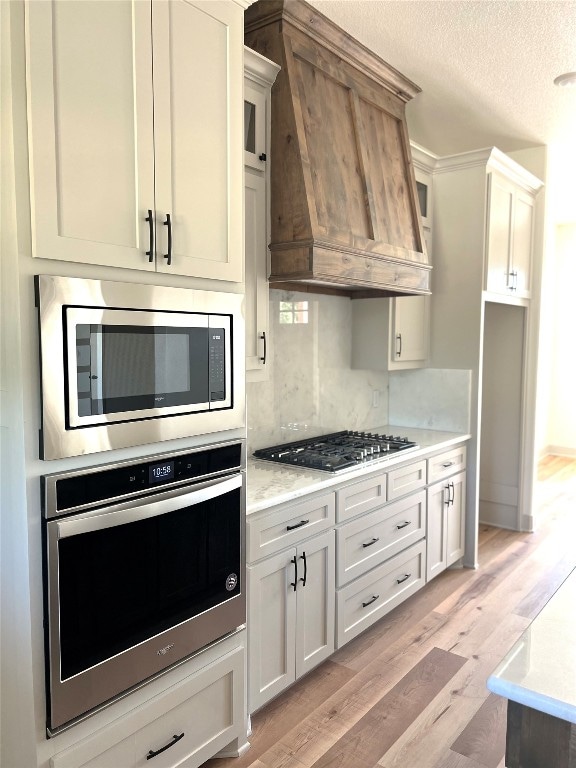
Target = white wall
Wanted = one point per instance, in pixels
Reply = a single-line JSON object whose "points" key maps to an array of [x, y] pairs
{"points": [[561, 433]]}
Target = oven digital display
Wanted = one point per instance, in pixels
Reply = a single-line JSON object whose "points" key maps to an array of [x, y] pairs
{"points": [[159, 472]]}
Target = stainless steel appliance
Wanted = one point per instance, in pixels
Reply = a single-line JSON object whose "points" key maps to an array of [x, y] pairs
{"points": [[129, 364], [337, 451], [144, 565]]}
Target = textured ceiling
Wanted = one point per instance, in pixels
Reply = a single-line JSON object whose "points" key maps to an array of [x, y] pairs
{"points": [[486, 68]]}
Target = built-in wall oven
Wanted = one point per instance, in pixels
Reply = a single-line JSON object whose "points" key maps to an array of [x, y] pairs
{"points": [[128, 364], [143, 566]]}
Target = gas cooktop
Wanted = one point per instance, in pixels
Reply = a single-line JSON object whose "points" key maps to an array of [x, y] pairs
{"points": [[337, 451]]}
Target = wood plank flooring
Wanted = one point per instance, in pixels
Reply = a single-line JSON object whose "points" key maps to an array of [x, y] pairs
{"points": [[410, 692]]}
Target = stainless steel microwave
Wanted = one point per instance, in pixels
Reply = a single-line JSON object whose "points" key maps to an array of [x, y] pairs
{"points": [[128, 364]]}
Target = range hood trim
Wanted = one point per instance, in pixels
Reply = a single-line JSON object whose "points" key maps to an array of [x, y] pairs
{"points": [[312, 262], [315, 25]]}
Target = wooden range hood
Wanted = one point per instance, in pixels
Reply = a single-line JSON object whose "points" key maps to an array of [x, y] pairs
{"points": [[344, 210]]}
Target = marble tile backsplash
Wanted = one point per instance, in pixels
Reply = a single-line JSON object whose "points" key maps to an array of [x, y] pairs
{"points": [[311, 388], [430, 398]]}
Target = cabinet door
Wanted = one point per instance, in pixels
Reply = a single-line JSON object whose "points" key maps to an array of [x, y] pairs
{"points": [[438, 500], [455, 520], [89, 70], [315, 602], [256, 260], [522, 243], [499, 234], [271, 627], [446, 524], [409, 342], [198, 84]]}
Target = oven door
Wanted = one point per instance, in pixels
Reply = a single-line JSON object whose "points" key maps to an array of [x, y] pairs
{"points": [[137, 587]]}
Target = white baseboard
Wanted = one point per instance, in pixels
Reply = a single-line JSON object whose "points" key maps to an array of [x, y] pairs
{"points": [[560, 450]]}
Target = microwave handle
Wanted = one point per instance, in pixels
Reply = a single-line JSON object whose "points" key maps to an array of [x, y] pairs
{"points": [[140, 510]]}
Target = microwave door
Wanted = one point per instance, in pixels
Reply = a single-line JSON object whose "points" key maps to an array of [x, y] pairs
{"points": [[130, 365]]}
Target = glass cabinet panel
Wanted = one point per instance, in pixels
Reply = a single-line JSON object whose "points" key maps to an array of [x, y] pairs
{"points": [[250, 127], [254, 128]]}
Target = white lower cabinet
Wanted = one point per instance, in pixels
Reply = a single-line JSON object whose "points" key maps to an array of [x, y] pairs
{"points": [[371, 539], [373, 595], [325, 569], [446, 526], [185, 726], [290, 616]]}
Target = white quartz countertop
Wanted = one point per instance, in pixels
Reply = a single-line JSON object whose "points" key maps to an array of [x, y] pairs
{"points": [[540, 669], [269, 483]]}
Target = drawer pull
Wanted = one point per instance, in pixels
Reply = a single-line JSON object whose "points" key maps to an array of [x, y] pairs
{"points": [[372, 600], [295, 582], [369, 543], [297, 525], [403, 578], [175, 739], [448, 464], [402, 525]]}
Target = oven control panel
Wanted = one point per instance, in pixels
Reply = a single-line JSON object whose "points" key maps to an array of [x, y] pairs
{"points": [[71, 491]]}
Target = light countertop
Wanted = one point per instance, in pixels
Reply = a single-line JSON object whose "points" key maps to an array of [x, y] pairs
{"points": [[269, 483], [540, 669]]}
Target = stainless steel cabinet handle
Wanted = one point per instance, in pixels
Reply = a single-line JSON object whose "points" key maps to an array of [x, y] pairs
{"points": [[369, 543], [402, 525], [403, 578], [399, 345], [140, 508]]}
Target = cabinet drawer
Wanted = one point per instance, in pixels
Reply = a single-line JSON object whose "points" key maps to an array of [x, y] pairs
{"points": [[372, 596], [207, 708], [287, 526], [365, 543], [360, 497], [406, 479], [447, 463]]}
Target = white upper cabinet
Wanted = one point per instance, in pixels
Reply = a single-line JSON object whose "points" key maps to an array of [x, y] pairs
{"points": [[510, 215], [135, 127], [410, 331], [259, 75]]}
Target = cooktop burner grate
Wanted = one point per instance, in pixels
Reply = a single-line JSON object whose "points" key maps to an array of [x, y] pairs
{"points": [[337, 451]]}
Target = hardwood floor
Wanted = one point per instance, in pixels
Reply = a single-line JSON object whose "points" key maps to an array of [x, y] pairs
{"points": [[411, 691]]}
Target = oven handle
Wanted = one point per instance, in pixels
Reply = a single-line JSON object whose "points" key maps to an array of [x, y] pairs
{"points": [[111, 518]]}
